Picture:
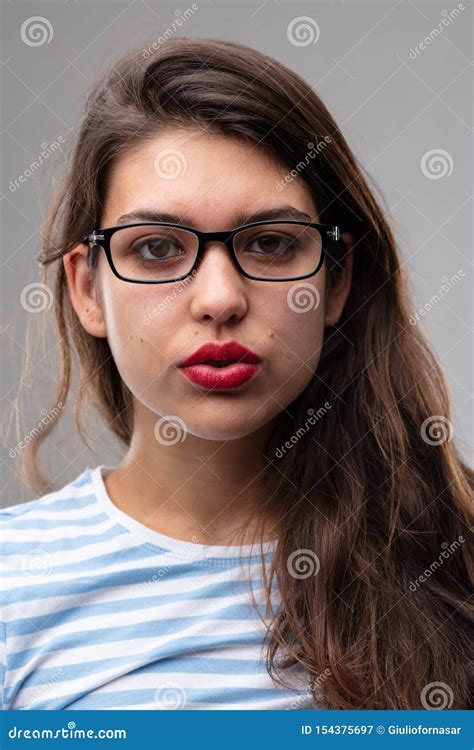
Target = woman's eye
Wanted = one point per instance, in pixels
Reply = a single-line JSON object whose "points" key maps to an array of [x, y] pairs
{"points": [[272, 244], [156, 249]]}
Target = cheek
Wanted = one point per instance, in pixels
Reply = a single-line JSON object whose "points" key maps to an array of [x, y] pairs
{"points": [[138, 326], [298, 322], [303, 339], [296, 328]]}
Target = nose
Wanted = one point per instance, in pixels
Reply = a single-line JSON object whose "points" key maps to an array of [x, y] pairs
{"points": [[218, 288]]}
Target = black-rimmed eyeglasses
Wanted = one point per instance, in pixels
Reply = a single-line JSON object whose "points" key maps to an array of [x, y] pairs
{"points": [[160, 252]]}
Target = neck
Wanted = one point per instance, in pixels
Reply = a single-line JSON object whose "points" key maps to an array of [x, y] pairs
{"points": [[200, 490]]}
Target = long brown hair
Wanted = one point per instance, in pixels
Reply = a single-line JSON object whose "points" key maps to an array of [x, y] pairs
{"points": [[373, 560]]}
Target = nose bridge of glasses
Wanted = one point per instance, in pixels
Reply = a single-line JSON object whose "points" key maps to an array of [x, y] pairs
{"points": [[215, 238], [207, 238]]}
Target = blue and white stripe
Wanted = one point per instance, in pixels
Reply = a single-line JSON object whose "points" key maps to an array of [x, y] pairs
{"points": [[99, 611]]}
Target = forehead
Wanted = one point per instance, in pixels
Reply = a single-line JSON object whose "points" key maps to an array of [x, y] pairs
{"points": [[211, 177]]}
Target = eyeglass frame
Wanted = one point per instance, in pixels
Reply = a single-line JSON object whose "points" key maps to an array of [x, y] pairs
{"points": [[101, 238]]}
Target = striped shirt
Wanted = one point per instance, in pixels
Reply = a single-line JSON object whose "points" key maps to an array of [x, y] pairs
{"points": [[98, 611]]}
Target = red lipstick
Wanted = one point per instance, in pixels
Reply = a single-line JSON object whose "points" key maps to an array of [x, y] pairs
{"points": [[221, 366]]}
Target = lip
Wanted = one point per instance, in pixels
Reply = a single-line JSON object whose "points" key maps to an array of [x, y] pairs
{"points": [[220, 379], [231, 350], [246, 365]]}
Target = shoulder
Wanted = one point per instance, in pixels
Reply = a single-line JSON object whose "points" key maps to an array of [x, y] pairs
{"points": [[63, 502], [50, 525], [35, 536], [45, 536]]}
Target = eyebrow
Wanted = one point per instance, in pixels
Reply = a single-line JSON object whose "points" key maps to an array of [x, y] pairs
{"points": [[278, 212]]}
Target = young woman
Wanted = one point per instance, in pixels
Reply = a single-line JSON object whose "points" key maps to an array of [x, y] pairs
{"points": [[288, 527]]}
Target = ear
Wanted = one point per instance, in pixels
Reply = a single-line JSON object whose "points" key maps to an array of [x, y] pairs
{"points": [[83, 291], [338, 289]]}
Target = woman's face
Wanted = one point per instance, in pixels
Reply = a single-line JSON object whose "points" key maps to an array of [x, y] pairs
{"points": [[152, 328]]}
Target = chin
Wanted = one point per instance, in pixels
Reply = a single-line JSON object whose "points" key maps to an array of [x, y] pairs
{"points": [[218, 428]]}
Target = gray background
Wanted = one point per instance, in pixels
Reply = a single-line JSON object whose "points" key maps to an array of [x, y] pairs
{"points": [[393, 108]]}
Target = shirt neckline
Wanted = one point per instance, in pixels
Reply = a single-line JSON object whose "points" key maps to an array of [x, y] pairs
{"points": [[178, 547]]}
